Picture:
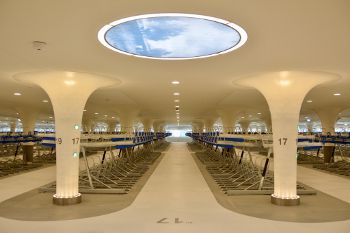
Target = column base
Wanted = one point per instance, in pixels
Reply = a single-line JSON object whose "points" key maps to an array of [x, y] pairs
{"points": [[66, 201], [284, 201]]}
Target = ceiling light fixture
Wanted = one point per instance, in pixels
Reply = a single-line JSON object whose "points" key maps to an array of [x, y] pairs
{"points": [[175, 82], [45, 101], [69, 82], [337, 94], [17, 94], [309, 101], [176, 93]]}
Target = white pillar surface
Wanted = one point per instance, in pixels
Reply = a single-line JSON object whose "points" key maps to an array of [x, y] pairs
{"points": [[284, 92], [244, 126], [127, 117], [228, 119], [328, 118], [111, 125], [208, 124], [13, 125], [28, 120], [157, 126], [147, 124], [309, 127], [68, 92]]}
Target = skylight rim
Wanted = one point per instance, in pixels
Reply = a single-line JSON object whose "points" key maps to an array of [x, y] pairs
{"points": [[243, 36]]}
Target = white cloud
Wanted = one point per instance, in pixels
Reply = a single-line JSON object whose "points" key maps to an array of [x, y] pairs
{"points": [[197, 38]]}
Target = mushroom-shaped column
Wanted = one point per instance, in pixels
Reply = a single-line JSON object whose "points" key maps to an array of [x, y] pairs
{"points": [[111, 125], [328, 118], [13, 125], [284, 92], [127, 115], [244, 126], [209, 124], [68, 92], [197, 126], [28, 120], [147, 124], [309, 127], [228, 119]]}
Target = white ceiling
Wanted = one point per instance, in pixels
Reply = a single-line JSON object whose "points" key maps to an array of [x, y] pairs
{"points": [[300, 35]]}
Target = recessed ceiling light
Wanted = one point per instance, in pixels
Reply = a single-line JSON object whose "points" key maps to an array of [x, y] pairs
{"points": [[17, 93], [69, 82], [177, 106], [176, 93], [284, 82], [177, 110], [17, 113], [259, 113], [113, 117], [50, 117], [45, 101], [242, 117], [309, 101], [176, 101], [336, 94], [84, 110], [96, 113], [106, 115], [175, 82], [308, 120]]}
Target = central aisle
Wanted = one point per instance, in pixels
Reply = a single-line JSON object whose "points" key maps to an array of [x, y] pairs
{"points": [[176, 198]]}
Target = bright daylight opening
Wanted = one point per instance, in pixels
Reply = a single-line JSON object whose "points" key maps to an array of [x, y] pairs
{"points": [[172, 36]]}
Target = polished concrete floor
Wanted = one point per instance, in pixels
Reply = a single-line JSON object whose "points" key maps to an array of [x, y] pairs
{"points": [[176, 198], [313, 208], [37, 206]]}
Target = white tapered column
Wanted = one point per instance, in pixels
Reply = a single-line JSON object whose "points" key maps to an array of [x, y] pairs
{"points": [[244, 126], [68, 92], [13, 126], [209, 124], [228, 119], [111, 124], [127, 117], [328, 118], [147, 124], [284, 92], [157, 125], [309, 127], [28, 120]]}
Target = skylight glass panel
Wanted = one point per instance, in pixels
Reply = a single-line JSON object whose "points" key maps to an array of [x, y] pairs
{"points": [[172, 36]]}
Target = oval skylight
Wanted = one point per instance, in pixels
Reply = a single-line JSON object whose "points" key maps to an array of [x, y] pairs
{"points": [[172, 36]]}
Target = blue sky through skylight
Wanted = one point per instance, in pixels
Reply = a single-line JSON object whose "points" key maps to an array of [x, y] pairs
{"points": [[172, 37]]}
